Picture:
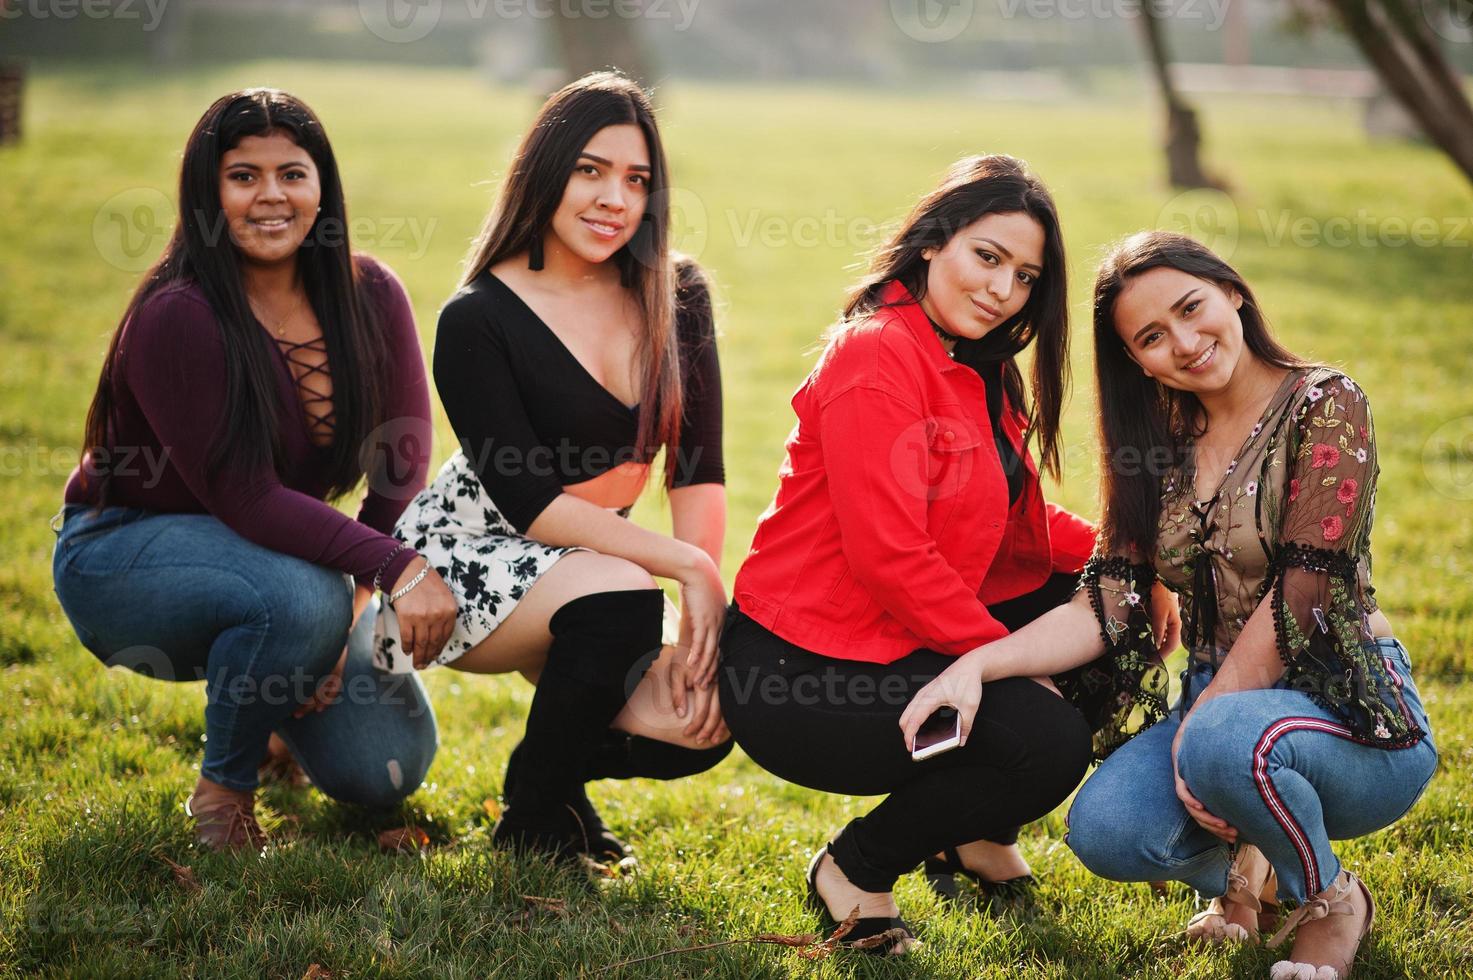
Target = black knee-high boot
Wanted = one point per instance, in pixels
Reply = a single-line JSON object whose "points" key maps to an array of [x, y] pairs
{"points": [[598, 642], [624, 756]]}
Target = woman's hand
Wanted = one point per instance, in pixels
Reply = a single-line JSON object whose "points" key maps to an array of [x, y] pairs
{"points": [[1216, 826], [426, 614], [327, 691], [702, 705], [1165, 619], [959, 686], [703, 605]]}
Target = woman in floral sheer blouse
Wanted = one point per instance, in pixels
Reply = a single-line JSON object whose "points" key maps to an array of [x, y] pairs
{"points": [[1244, 479]]}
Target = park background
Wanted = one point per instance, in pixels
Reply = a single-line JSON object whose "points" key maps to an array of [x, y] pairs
{"points": [[1333, 169]]}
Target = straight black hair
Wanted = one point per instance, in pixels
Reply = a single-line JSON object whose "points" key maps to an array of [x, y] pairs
{"points": [[973, 187], [200, 253], [530, 196]]}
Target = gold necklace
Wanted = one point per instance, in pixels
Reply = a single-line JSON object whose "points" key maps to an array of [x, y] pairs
{"points": [[280, 326]]}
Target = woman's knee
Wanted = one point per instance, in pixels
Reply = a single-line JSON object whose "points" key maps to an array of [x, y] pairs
{"points": [[1063, 744], [385, 780], [593, 572], [307, 605], [1106, 831], [1216, 754]]}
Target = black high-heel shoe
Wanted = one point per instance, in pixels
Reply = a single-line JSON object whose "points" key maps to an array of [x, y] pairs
{"points": [[941, 876], [863, 928]]}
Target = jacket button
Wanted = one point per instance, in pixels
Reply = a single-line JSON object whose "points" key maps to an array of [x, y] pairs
{"points": [[949, 436]]}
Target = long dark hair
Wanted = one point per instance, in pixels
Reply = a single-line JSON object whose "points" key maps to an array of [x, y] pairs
{"points": [[974, 187], [1144, 424], [200, 253], [530, 195]]}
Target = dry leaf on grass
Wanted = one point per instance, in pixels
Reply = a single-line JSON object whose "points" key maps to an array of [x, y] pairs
{"points": [[877, 939], [317, 972], [555, 906], [778, 939], [404, 839], [183, 874]]}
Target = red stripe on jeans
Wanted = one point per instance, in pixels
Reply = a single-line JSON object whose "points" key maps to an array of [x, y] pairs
{"points": [[1270, 795]]}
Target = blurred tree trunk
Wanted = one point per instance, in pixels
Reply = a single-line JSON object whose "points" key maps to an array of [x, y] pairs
{"points": [[1398, 41], [1183, 138], [12, 96], [589, 44]]}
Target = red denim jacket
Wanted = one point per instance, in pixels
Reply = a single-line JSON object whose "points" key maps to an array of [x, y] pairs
{"points": [[891, 528]]}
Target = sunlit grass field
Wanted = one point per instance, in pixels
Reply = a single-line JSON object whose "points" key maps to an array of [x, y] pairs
{"points": [[1361, 253]]}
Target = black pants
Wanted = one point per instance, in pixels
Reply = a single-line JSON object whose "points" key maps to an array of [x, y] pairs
{"points": [[833, 725]]}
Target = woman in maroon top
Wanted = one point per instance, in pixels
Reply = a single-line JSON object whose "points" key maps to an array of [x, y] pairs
{"points": [[909, 528], [260, 371]]}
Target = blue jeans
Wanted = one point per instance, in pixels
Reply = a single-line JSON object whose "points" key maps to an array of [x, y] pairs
{"points": [[1273, 764], [182, 597]]}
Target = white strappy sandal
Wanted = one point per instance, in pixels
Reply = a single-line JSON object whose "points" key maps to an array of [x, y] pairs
{"points": [[1251, 880], [1334, 900]]}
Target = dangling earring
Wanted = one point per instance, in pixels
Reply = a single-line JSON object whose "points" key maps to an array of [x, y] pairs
{"points": [[534, 255]]}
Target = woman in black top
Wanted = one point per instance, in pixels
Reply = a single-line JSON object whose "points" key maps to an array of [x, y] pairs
{"points": [[576, 349]]}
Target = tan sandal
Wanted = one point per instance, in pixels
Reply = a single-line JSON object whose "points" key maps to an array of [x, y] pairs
{"points": [[1334, 900], [1251, 884]]}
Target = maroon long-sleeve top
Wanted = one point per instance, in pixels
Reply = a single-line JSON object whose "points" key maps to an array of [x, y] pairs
{"points": [[168, 404]]}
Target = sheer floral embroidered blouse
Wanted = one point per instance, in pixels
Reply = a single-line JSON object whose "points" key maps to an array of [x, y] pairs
{"points": [[1291, 520]]}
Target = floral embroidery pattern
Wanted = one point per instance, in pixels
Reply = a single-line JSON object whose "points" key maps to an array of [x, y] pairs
{"points": [[1290, 525], [1124, 691]]}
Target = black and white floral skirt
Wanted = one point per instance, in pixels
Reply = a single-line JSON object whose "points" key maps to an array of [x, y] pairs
{"points": [[486, 563]]}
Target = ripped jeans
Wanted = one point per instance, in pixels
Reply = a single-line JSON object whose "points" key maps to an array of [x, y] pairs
{"points": [[182, 597]]}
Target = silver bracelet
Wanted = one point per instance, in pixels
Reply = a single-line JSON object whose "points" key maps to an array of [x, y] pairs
{"points": [[384, 565], [396, 596]]}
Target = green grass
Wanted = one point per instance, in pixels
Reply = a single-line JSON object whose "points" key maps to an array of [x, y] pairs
{"points": [[94, 765]]}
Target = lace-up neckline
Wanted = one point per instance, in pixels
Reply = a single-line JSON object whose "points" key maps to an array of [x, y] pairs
{"points": [[310, 369]]}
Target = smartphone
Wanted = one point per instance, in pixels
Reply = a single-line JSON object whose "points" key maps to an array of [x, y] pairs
{"points": [[939, 733]]}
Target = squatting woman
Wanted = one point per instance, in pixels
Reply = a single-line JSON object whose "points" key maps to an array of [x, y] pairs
{"points": [[250, 382], [1244, 478], [576, 349], [908, 529]]}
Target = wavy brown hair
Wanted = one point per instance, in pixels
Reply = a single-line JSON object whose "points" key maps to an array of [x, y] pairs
{"points": [[1144, 424], [530, 195], [974, 187]]}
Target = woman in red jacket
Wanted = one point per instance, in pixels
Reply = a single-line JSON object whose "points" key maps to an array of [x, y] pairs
{"points": [[908, 528]]}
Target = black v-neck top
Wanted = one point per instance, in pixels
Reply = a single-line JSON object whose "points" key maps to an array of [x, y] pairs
{"points": [[532, 420]]}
